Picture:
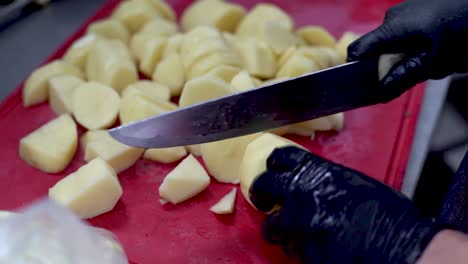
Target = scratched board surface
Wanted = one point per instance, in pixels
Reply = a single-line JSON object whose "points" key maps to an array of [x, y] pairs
{"points": [[376, 141]]}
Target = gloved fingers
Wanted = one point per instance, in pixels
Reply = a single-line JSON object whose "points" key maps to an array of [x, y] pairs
{"points": [[270, 190], [286, 158], [403, 76]]}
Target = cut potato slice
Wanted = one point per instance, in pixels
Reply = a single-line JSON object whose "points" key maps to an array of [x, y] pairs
{"points": [[194, 150], [253, 22], [136, 107], [224, 72], [257, 58], [202, 49], [134, 14], [159, 27], [333, 56], [90, 191], [173, 45], [109, 28], [151, 54], [61, 90], [286, 55], [111, 63], [223, 15], [226, 204], [92, 135], [343, 43], [119, 156], [95, 105], [163, 8], [212, 61], [297, 65], [170, 72], [316, 36], [165, 155], [203, 89], [51, 147], [184, 182], [242, 82], [36, 87], [223, 158], [277, 36], [150, 90], [79, 50], [253, 163], [318, 55]]}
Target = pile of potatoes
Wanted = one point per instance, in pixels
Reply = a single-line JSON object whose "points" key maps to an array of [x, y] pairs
{"points": [[96, 85]]}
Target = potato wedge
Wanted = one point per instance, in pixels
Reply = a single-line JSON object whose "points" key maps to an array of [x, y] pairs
{"points": [[343, 43], [253, 163], [119, 156], [150, 90], [285, 56], [164, 9], [202, 49], [95, 105], [90, 191], [159, 27], [242, 82], [226, 204], [151, 54], [316, 36], [173, 45], [137, 107], [277, 36], [79, 50], [253, 22], [203, 89], [109, 28], [92, 135], [318, 55], [165, 155], [223, 15], [212, 61], [334, 56], [257, 58], [51, 147], [134, 14], [224, 72], [188, 179], [297, 65], [170, 72], [223, 158], [36, 87], [61, 90]]}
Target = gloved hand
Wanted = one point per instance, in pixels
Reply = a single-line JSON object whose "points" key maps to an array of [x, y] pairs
{"points": [[433, 34], [332, 214]]}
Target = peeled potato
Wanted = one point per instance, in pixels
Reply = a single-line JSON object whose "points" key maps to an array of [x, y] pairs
{"points": [[151, 54], [136, 107], [79, 50], [194, 150], [197, 35], [253, 22], [51, 147], [163, 9], [36, 87], [343, 43], [61, 90], [150, 90], [170, 72], [316, 36], [173, 45], [159, 27], [334, 57], [165, 155], [253, 163], [223, 15], [257, 58], [92, 135], [109, 28], [110, 62], [242, 82], [202, 49], [90, 191], [277, 36], [95, 105], [203, 89], [226, 204], [286, 55], [134, 14], [223, 158], [203, 66], [317, 55], [119, 156], [297, 65], [224, 72], [184, 182]]}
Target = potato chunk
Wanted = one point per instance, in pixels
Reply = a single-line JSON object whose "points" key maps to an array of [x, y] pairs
{"points": [[151, 54], [184, 182], [206, 64], [170, 72], [61, 90], [134, 14], [253, 163], [203, 89], [92, 135], [51, 147], [242, 82], [223, 15], [79, 50], [226, 204], [277, 36], [257, 58], [316, 36], [223, 158], [255, 20], [165, 155], [119, 156], [224, 72], [297, 65], [164, 9], [95, 105], [36, 87], [150, 90], [194, 150], [173, 45], [137, 107], [343, 43], [109, 28], [90, 191], [159, 27]]}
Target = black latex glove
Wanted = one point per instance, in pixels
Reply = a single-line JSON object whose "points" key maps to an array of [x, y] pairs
{"points": [[432, 33], [332, 214]]}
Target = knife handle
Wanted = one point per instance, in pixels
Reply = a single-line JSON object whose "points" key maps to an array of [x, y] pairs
{"points": [[387, 61]]}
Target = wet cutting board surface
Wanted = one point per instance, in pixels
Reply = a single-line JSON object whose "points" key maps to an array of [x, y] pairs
{"points": [[376, 141]]}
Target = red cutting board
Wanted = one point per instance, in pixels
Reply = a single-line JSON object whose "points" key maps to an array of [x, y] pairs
{"points": [[376, 141]]}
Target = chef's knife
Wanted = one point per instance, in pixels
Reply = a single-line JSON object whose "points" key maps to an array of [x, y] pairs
{"points": [[345, 87]]}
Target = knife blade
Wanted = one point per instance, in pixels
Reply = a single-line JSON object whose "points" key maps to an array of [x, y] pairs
{"points": [[341, 88]]}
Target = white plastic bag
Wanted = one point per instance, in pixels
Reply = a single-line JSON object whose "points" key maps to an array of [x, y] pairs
{"points": [[46, 233]]}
